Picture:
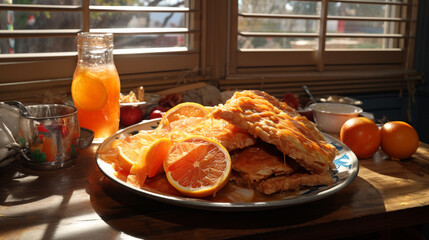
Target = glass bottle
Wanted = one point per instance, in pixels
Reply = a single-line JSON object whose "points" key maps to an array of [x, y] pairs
{"points": [[96, 85]]}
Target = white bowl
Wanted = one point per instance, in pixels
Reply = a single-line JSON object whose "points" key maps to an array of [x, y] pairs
{"points": [[330, 117]]}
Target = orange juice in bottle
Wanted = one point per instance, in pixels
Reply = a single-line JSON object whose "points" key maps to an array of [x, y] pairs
{"points": [[96, 85]]}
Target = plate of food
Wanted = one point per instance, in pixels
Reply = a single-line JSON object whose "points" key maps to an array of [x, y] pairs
{"points": [[277, 157]]}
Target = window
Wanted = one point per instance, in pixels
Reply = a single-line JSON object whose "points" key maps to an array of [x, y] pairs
{"points": [[335, 46], [332, 46], [38, 41]]}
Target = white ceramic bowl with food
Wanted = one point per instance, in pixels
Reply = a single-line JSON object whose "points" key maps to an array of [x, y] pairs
{"points": [[330, 117]]}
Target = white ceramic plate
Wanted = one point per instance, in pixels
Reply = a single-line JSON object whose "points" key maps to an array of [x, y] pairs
{"points": [[346, 162]]}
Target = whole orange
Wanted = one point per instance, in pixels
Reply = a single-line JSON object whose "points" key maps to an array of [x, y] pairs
{"points": [[361, 135], [399, 139]]}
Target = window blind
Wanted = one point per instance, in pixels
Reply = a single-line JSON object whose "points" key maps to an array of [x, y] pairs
{"points": [[336, 47]]}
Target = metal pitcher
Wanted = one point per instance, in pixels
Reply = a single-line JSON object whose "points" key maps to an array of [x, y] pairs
{"points": [[49, 136]]}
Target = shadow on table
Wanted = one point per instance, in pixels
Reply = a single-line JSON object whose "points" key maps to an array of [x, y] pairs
{"points": [[25, 185], [21, 187], [143, 217], [417, 165]]}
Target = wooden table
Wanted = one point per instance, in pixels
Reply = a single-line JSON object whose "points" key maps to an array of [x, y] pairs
{"points": [[79, 202]]}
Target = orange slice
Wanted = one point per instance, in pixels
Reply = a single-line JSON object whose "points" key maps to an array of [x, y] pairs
{"points": [[198, 166], [129, 148], [89, 93], [183, 115], [127, 157], [150, 160]]}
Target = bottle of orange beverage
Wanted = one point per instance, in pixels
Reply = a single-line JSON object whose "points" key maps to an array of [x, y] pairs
{"points": [[96, 85]]}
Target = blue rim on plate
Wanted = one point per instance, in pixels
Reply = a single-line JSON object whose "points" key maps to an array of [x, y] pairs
{"points": [[345, 161]]}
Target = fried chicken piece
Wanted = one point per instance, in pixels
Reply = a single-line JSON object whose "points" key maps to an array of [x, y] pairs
{"points": [[274, 122], [259, 162], [293, 181]]}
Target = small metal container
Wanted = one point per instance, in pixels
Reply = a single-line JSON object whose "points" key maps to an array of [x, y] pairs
{"points": [[51, 136]]}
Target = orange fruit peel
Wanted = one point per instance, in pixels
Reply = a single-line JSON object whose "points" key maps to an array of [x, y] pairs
{"points": [[362, 136], [399, 140], [198, 166]]}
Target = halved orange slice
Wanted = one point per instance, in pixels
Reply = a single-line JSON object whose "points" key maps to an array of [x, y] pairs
{"points": [[198, 166], [183, 115], [89, 93]]}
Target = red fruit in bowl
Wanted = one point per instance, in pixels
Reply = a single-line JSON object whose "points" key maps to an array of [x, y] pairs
{"points": [[131, 115], [156, 114], [161, 108]]}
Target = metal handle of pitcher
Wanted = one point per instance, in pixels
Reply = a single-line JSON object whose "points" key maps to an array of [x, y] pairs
{"points": [[15, 146]]}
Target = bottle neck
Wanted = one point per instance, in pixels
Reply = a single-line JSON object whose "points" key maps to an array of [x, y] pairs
{"points": [[95, 57], [95, 49]]}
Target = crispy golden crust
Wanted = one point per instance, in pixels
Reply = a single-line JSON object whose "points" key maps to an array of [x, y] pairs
{"points": [[293, 181], [259, 162], [276, 123]]}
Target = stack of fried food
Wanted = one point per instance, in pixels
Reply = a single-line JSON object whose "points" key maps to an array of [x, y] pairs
{"points": [[289, 152]]}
